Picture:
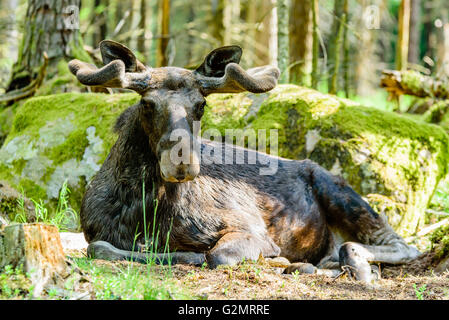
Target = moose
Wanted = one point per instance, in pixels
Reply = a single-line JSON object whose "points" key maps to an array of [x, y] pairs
{"points": [[217, 213]]}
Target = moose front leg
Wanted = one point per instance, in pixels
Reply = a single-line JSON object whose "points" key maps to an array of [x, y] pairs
{"points": [[105, 250], [233, 247]]}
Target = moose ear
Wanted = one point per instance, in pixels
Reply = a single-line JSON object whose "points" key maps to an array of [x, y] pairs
{"points": [[215, 63], [111, 50]]}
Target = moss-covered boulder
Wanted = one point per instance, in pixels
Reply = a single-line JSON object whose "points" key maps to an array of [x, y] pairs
{"points": [[395, 161], [57, 138]]}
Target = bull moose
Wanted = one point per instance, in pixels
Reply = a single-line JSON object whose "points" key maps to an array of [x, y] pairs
{"points": [[218, 213]]}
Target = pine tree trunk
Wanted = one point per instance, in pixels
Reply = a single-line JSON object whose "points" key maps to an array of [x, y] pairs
{"points": [[346, 51], [333, 42], [99, 19], [403, 35], [315, 55], [141, 41], [51, 27], [216, 21], [301, 42], [414, 38], [164, 34], [365, 57], [333, 88], [231, 15], [283, 40]]}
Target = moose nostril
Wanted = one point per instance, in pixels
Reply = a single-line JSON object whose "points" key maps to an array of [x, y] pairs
{"points": [[180, 174]]}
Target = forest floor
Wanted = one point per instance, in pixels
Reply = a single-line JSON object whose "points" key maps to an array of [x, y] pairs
{"points": [[250, 280]]}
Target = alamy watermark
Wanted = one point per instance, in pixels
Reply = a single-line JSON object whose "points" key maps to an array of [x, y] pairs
{"points": [[233, 151], [71, 17]]}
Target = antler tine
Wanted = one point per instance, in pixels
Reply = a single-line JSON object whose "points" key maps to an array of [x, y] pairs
{"points": [[112, 75], [236, 79]]}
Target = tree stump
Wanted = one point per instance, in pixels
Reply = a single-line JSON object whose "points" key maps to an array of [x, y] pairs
{"points": [[37, 249]]}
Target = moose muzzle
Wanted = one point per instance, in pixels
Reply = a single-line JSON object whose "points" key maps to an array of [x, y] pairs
{"points": [[180, 157]]}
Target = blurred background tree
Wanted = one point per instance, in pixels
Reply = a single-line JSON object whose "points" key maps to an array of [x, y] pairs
{"points": [[339, 46]]}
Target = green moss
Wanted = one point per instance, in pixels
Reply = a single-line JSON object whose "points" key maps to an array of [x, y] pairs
{"points": [[67, 117], [440, 241], [8, 207], [412, 80], [32, 190], [76, 142]]}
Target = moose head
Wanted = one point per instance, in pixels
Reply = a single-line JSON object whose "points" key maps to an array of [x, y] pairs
{"points": [[173, 99]]}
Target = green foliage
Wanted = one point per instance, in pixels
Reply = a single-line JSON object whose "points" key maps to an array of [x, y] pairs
{"points": [[419, 292], [64, 217], [14, 283], [440, 241]]}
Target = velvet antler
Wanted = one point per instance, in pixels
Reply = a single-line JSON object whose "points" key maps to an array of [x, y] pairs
{"points": [[220, 73], [236, 79], [121, 70]]}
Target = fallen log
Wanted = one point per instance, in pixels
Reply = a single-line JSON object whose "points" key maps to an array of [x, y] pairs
{"points": [[428, 230], [413, 83], [37, 249]]}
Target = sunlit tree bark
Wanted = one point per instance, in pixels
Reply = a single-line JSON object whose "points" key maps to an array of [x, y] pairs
{"points": [[51, 26], [403, 35], [164, 33], [301, 42]]}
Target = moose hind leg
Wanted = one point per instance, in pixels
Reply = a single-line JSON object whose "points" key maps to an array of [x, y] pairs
{"points": [[372, 238], [106, 251], [385, 247]]}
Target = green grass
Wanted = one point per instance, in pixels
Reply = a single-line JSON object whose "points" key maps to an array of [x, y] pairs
{"points": [[14, 283], [133, 281], [419, 292], [109, 281], [64, 217]]}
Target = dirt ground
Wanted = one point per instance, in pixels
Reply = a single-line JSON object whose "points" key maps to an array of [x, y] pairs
{"points": [[416, 280]]}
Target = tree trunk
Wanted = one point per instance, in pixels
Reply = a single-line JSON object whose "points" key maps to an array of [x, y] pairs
{"points": [[37, 248], [414, 38], [346, 50], [403, 35], [333, 43], [141, 41], [164, 34], [301, 42], [51, 27], [99, 16], [215, 21], [315, 55], [442, 65], [283, 40], [365, 57], [8, 38]]}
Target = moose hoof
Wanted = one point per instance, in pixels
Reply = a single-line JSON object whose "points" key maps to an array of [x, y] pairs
{"points": [[304, 268], [103, 250]]}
